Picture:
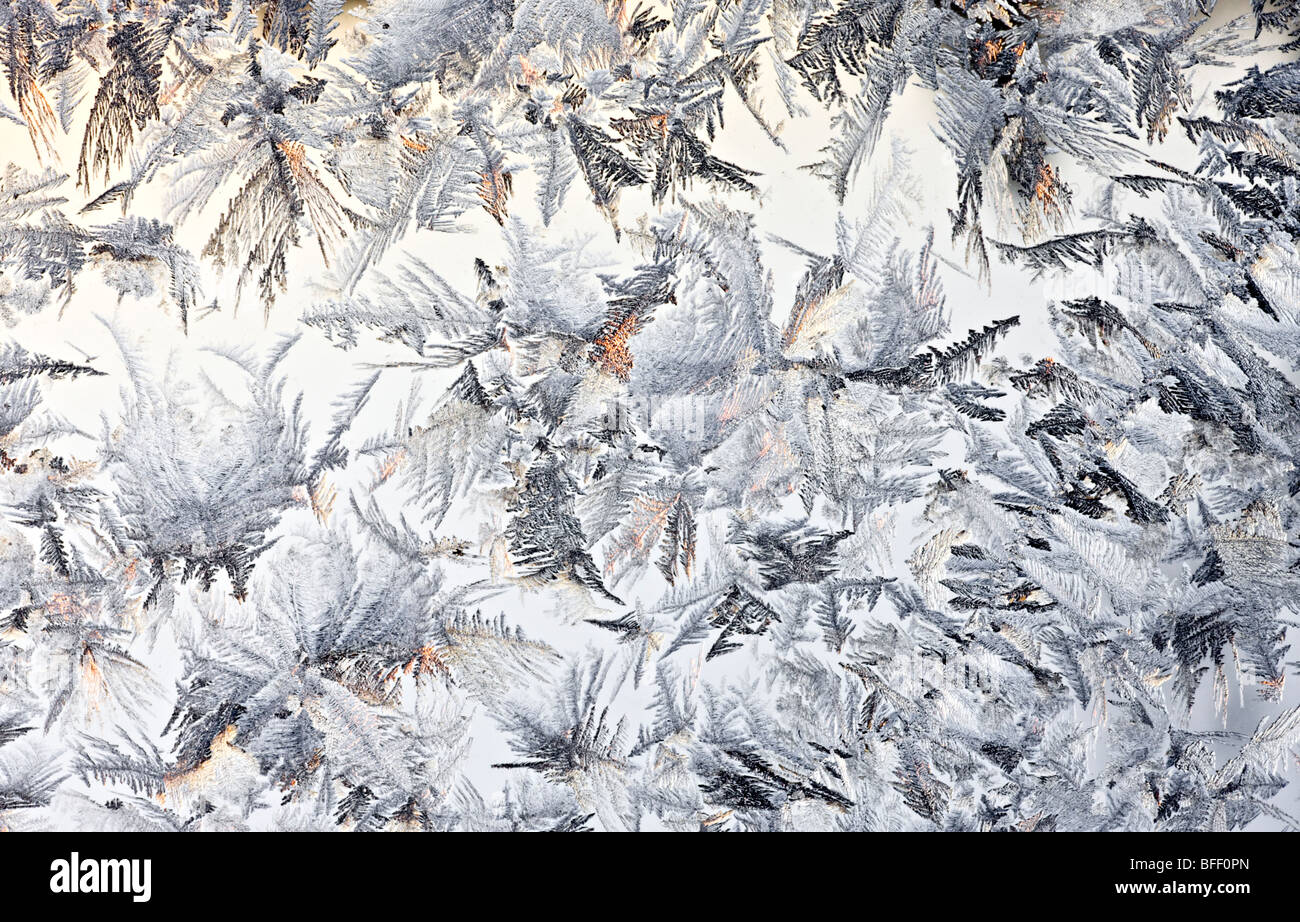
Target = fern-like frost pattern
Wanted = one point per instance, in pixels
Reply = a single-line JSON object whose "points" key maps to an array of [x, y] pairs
{"points": [[629, 415]]}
